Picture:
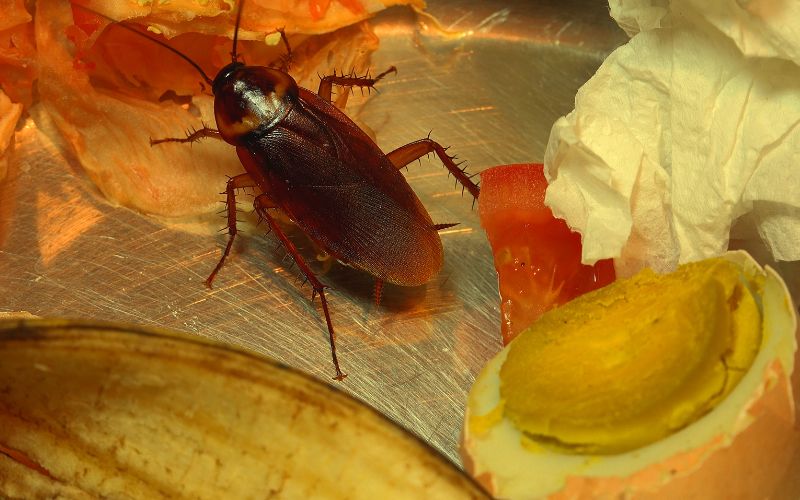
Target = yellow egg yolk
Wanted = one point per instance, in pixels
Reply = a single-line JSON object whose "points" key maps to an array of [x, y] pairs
{"points": [[631, 363]]}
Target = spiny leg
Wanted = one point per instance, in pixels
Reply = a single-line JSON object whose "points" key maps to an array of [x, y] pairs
{"points": [[261, 206], [285, 60], [404, 155], [327, 82], [378, 291], [234, 183], [190, 136]]}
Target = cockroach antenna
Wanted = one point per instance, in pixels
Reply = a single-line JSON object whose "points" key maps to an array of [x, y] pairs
{"points": [[234, 55], [123, 24]]}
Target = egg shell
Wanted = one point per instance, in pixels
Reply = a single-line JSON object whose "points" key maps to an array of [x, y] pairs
{"points": [[750, 446]]}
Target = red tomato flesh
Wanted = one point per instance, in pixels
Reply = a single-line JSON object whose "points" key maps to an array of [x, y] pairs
{"points": [[537, 257]]}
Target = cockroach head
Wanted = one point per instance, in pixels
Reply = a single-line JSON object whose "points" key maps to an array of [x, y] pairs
{"points": [[250, 99], [225, 75]]}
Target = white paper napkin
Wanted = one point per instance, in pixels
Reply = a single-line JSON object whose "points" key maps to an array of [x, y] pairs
{"points": [[692, 124]]}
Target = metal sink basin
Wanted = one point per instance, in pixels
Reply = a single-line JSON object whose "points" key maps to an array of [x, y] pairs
{"points": [[490, 87]]}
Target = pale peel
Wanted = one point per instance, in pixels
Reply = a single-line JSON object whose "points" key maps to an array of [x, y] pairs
{"points": [[109, 129], [14, 14], [104, 411], [9, 116], [260, 17], [17, 52]]}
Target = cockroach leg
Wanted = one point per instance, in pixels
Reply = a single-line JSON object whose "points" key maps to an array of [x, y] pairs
{"points": [[404, 155], [286, 60], [191, 136], [327, 82], [261, 205], [234, 183], [378, 291]]}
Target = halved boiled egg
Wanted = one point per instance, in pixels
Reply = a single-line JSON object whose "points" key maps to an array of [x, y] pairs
{"points": [[659, 386]]}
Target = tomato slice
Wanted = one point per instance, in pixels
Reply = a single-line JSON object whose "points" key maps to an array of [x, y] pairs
{"points": [[537, 257]]}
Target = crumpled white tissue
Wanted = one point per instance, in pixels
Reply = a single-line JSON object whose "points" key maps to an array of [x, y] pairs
{"points": [[690, 126]]}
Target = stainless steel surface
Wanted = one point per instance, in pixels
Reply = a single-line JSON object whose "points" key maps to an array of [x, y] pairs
{"points": [[491, 92]]}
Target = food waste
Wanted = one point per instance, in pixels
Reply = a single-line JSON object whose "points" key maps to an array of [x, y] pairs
{"points": [[655, 386], [108, 91], [537, 256]]}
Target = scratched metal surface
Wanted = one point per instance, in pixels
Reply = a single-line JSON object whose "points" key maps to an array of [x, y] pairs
{"points": [[492, 95]]}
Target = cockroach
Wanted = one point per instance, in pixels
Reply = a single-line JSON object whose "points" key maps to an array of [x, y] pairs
{"points": [[304, 158]]}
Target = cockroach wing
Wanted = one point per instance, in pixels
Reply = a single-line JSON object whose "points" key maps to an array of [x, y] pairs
{"points": [[334, 182]]}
